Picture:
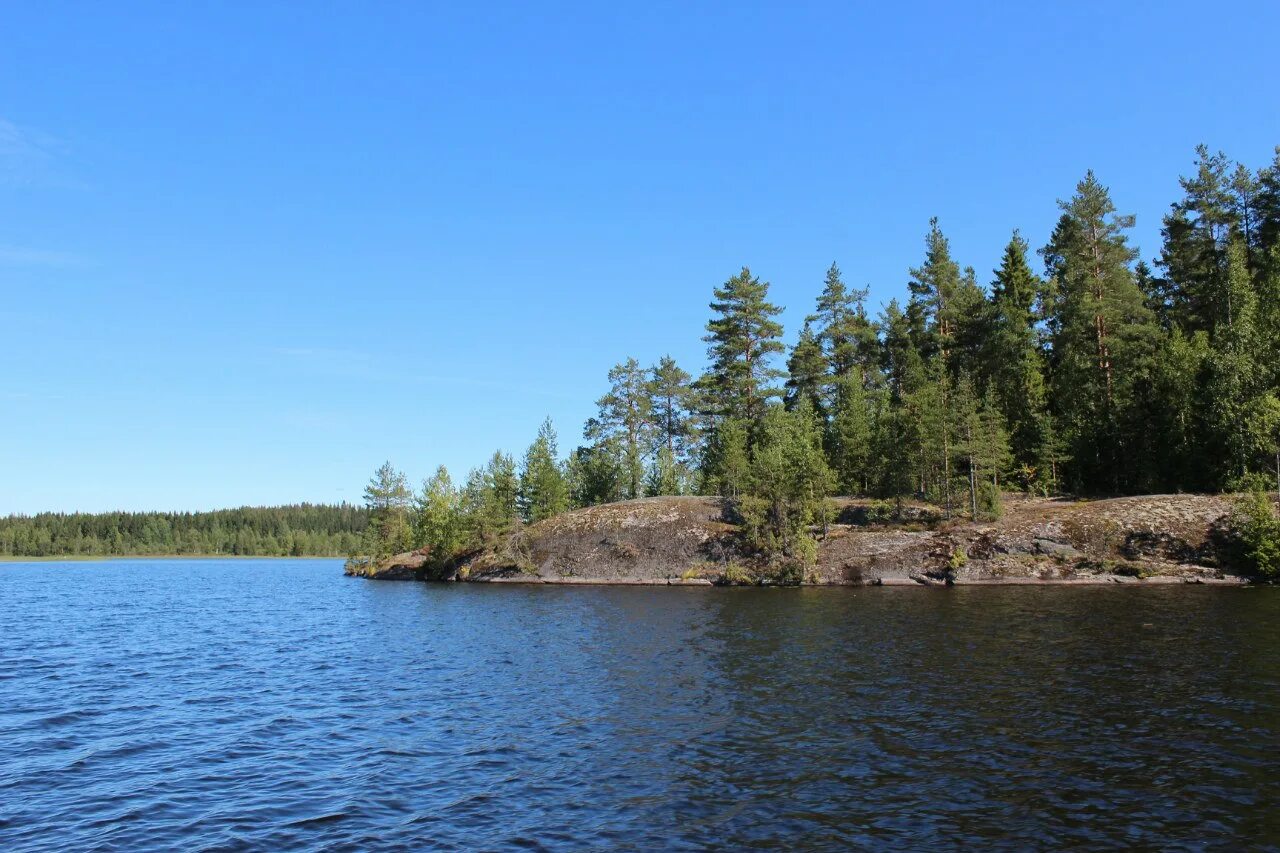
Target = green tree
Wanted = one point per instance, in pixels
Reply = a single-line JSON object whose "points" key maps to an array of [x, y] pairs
{"points": [[934, 287], [490, 501], [597, 474], [544, 491], [626, 414], [1015, 362], [438, 525], [847, 336], [806, 372], [1103, 335], [789, 484], [388, 498], [983, 445], [742, 337], [666, 475], [726, 465], [850, 435], [1196, 233], [671, 404]]}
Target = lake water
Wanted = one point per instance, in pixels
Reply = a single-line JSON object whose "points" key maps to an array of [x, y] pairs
{"points": [[259, 704]]}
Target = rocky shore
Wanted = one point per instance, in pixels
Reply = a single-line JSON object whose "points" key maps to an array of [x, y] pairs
{"points": [[1152, 539]]}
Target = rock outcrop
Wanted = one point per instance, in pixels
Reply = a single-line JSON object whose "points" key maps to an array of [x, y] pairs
{"points": [[689, 540], [409, 566]]}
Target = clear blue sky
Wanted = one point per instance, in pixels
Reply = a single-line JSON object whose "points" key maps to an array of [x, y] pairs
{"points": [[248, 251]]}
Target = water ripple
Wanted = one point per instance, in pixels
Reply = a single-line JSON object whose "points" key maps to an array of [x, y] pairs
{"points": [[265, 705]]}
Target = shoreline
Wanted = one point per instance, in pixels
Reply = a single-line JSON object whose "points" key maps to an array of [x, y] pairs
{"points": [[1152, 540], [1099, 580], [103, 558]]}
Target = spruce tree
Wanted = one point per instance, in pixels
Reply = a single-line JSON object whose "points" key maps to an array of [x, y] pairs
{"points": [[934, 286], [543, 490], [1015, 363], [726, 459], [806, 372]]}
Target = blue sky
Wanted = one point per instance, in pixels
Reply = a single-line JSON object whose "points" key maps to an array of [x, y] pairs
{"points": [[248, 251]]}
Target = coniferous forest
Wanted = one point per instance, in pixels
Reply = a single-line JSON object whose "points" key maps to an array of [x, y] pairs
{"points": [[1075, 367], [309, 530]]}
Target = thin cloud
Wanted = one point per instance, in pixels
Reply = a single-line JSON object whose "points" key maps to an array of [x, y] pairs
{"points": [[26, 154]]}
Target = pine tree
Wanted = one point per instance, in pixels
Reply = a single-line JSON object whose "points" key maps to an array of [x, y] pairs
{"points": [[1102, 332], [626, 414], [666, 475], [387, 497], [1196, 233], [490, 501], [671, 404], [846, 335], [1230, 385], [742, 338]]}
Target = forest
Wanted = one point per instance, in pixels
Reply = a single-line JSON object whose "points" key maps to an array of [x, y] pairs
{"points": [[1074, 368], [309, 530]]}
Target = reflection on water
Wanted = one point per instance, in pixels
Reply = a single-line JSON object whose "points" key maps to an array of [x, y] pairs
{"points": [[269, 705]]}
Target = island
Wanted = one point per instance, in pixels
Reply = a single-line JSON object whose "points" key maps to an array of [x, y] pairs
{"points": [[1152, 539]]}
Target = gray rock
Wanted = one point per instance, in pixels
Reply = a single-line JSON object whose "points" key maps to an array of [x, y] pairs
{"points": [[1057, 549]]}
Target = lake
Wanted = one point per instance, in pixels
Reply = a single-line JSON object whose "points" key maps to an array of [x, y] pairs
{"points": [[275, 704]]}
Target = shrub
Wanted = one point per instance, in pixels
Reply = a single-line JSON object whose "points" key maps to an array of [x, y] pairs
{"points": [[1254, 521], [990, 506], [735, 574]]}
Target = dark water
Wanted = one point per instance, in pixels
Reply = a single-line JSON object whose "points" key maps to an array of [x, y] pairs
{"points": [[277, 705]]}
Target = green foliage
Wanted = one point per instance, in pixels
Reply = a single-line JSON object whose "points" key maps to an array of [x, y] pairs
{"points": [[1256, 523], [788, 485], [727, 465], [388, 499], [806, 371], [596, 474], [666, 475], [741, 338], [439, 523], [626, 418], [671, 403], [301, 530], [1104, 376], [490, 502], [735, 574], [1103, 336], [544, 491]]}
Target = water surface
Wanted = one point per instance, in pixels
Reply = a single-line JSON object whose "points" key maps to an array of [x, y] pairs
{"points": [[259, 704]]}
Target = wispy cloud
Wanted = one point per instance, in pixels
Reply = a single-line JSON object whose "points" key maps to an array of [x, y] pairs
{"points": [[26, 154], [23, 256]]}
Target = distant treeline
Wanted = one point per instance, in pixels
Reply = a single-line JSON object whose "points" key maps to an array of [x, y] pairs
{"points": [[278, 531]]}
